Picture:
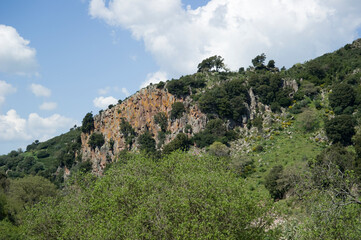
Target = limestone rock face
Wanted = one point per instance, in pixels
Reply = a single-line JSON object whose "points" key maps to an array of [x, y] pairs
{"points": [[139, 111]]}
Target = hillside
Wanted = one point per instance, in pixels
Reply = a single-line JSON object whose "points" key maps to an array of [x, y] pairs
{"points": [[278, 148]]}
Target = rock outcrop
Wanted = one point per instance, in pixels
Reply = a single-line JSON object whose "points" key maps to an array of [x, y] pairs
{"points": [[139, 111]]}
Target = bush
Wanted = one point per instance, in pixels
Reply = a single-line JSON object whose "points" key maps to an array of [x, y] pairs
{"points": [[342, 96], [128, 132], [177, 110], [96, 140], [146, 143], [178, 197], [88, 123], [180, 142], [160, 85], [340, 129], [218, 149], [42, 154], [308, 120], [271, 182], [215, 131], [162, 120]]}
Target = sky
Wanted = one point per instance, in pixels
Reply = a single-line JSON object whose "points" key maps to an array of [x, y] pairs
{"points": [[62, 59]]}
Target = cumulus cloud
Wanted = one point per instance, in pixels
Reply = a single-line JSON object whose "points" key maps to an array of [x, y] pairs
{"points": [[40, 91], [48, 106], [45, 128], [104, 102], [238, 30], [15, 128], [154, 78], [5, 89], [16, 56]]}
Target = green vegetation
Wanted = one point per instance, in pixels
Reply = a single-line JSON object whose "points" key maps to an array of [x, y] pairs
{"points": [[88, 123], [340, 129], [162, 120], [215, 131], [214, 63], [177, 110], [180, 142], [146, 143], [293, 173], [96, 140], [128, 132], [150, 199]]}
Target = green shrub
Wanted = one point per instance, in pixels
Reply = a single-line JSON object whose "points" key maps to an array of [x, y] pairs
{"points": [[180, 142], [146, 143], [218, 149], [271, 182], [177, 110], [96, 140], [308, 120], [215, 131], [162, 120], [42, 154], [340, 129], [342, 96], [128, 132], [87, 123], [178, 197]]}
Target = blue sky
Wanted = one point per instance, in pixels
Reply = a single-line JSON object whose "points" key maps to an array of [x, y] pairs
{"points": [[62, 59]]}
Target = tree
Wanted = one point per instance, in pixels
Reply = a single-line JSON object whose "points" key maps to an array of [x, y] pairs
{"points": [[340, 129], [162, 120], [342, 96], [180, 142], [258, 61], [177, 110], [308, 120], [88, 123], [181, 196], [128, 132], [29, 190], [96, 140], [271, 182], [271, 64], [146, 143], [218, 149], [214, 63]]}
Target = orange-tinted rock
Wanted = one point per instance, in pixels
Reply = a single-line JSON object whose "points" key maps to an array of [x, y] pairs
{"points": [[139, 111]]}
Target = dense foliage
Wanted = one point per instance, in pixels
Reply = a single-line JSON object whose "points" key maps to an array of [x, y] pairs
{"points": [[96, 140], [179, 197], [215, 131], [293, 173], [177, 110], [128, 132], [87, 123]]}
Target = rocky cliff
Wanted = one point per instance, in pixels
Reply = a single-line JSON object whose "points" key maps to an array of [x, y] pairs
{"points": [[139, 111]]}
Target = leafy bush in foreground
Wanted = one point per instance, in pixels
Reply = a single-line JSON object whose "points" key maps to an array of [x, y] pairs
{"points": [[178, 197]]}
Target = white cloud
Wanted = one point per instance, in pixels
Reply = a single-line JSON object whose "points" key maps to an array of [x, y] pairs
{"points": [[15, 128], [104, 102], [40, 91], [15, 54], [154, 78], [238, 30], [125, 92], [48, 106], [45, 128], [103, 91], [5, 89]]}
